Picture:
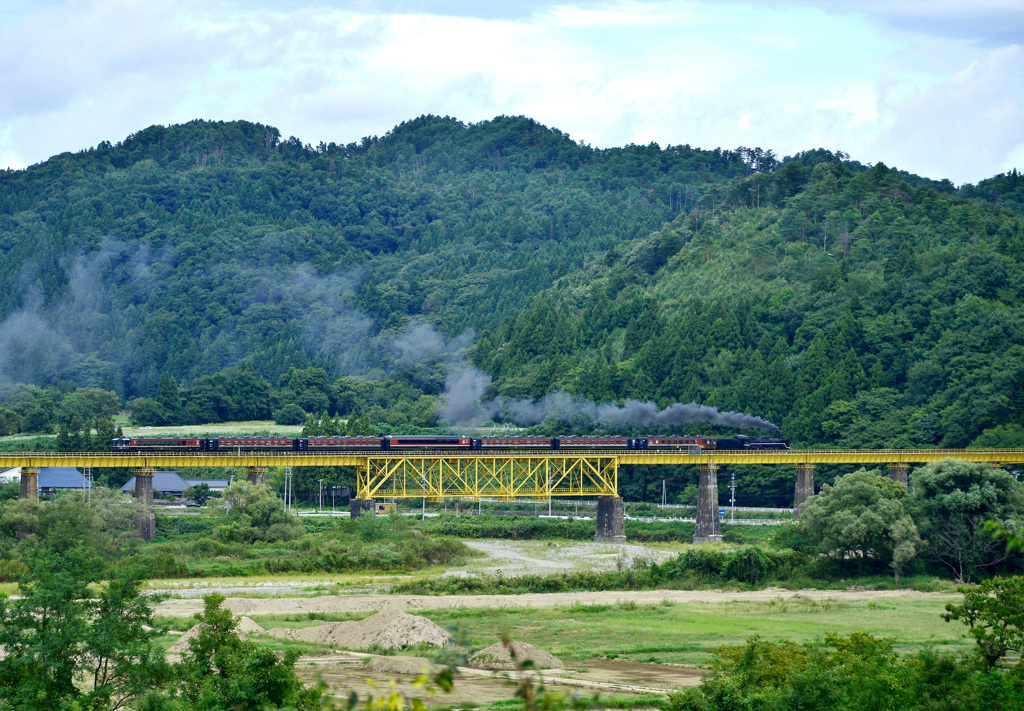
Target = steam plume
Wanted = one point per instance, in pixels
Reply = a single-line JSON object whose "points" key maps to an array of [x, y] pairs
{"points": [[465, 388]]}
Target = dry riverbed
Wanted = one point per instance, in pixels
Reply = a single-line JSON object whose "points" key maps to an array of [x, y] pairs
{"points": [[373, 602]]}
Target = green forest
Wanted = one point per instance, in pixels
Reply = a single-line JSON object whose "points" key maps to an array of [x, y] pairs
{"points": [[214, 271]]}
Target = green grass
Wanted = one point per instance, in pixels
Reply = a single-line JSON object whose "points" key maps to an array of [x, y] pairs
{"points": [[254, 427], [166, 641], [686, 633], [673, 633], [582, 700]]}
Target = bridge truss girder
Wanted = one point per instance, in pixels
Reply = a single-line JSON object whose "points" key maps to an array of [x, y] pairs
{"points": [[503, 477]]}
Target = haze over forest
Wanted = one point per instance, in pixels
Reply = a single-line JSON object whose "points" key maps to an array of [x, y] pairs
{"points": [[451, 272]]}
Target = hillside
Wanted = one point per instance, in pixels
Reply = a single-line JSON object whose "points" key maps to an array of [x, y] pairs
{"points": [[860, 312], [851, 305], [187, 249]]}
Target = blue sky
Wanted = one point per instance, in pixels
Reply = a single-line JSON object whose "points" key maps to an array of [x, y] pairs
{"points": [[935, 87]]}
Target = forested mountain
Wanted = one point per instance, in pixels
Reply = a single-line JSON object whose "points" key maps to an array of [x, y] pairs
{"points": [[188, 249], [858, 312], [849, 304]]}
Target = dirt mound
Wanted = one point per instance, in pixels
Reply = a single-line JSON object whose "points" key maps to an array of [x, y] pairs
{"points": [[390, 629], [498, 656], [248, 628], [413, 666], [334, 634], [181, 646]]}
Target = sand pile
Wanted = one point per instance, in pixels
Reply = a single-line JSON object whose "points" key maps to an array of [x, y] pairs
{"points": [[497, 656], [181, 646], [413, 666], [390, 629], [331, 633], [246, 628]]}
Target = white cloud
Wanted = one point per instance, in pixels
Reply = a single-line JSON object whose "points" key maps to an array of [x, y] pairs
{"points": [[787, 76], [967, 126]]}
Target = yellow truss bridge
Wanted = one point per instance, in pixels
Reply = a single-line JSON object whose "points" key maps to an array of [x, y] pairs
{"points": [[504, 475]]}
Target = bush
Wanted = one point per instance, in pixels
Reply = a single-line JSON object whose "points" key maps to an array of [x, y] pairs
{"points": [[750, 565], [11, 570], [184, 525], [290, 414], [854, 672]]}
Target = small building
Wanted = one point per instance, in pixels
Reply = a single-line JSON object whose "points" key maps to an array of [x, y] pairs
{"points": [[51, 479], [214, 484], [54, 479], [167, 483], [171, 483]]}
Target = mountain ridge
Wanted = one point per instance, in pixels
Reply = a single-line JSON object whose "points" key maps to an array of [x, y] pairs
{"points": [[670, 274]]}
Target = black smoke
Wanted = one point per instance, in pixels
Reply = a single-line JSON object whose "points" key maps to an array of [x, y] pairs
{"points": [[464, 405]]}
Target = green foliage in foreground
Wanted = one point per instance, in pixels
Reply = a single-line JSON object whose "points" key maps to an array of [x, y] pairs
{"points": [[995, 613], [854, 673], [222, 672], [63, 643]]}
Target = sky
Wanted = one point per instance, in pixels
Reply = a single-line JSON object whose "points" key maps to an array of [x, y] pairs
{"points": [[935, 87]]}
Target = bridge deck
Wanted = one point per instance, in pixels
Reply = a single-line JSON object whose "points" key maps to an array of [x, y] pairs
{"points": [[502, 474], [360, 459]]}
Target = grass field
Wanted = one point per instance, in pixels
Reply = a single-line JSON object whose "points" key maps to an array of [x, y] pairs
{"points": [[255, 427], [674, 633], [685, 633]]}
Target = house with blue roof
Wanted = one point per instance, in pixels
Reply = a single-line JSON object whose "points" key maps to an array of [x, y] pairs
{"points": [[51, 479], [164, 482]]}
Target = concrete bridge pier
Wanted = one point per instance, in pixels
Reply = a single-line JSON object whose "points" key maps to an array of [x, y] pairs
{"points": [[610, 526], [898, 473], [804, 487], [257, 475], [29, 483], [709, 527], [356, 507], [145, 519]]}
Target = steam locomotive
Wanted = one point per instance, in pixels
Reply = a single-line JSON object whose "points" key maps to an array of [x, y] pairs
{"points": [[693, 444]]}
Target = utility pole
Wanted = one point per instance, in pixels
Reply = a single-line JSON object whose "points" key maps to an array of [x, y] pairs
{"points": [[663, 501], [321, 506], [732, 498], [288, 496]]}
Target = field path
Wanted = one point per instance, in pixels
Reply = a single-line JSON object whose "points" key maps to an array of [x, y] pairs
{"points": [[505, 552], [373, 602]]}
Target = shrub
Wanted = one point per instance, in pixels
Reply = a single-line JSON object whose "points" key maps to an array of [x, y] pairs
{"points": [[290, 414], [750, 565], [11, 570]]}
